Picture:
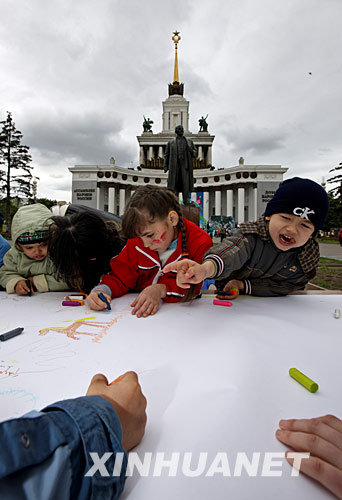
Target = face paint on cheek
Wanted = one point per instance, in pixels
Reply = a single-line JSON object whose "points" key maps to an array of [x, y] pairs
{"points": [[162, 238]]}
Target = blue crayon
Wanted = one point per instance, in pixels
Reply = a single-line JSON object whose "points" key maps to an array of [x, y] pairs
{"points": [[103, 298]]}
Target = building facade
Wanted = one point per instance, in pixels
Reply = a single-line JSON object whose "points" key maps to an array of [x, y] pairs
{"points": [[241, 191]]}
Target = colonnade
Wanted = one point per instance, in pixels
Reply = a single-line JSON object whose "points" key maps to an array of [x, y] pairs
{"points": [[229, 200]]}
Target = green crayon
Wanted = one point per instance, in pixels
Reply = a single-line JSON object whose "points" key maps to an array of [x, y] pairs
{"points": [[309, 384]]}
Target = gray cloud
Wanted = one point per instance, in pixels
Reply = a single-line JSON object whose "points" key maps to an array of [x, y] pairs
{"points": [[78, 76], [255, 140]]}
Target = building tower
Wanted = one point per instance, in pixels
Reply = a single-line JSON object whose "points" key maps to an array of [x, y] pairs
{"points": [[175, 112]]}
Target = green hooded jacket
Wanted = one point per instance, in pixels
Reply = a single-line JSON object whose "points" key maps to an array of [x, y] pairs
{"points": [[17, 266]]}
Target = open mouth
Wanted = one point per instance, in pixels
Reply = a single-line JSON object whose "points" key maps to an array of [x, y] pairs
{"points": [[286, 240]]}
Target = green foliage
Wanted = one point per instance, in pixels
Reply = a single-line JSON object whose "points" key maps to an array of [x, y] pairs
{"points": [[15, 170], [336, 191], [334, 216], [46, 202]]}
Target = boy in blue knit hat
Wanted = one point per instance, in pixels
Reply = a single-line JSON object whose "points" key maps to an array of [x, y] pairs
{"points": [[273, 256]]}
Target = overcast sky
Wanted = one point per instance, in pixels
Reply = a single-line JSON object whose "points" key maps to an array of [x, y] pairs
{"points": [[78, 75]]}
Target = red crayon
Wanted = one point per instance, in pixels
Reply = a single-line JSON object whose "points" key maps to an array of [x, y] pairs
{"points": [[217, 302]]}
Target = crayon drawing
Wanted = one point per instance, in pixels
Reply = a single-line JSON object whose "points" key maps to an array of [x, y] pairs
{"points": [[15, 402], [96, 329]]}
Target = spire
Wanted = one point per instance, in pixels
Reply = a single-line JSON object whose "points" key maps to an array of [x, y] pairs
{"points": [[176, 88], [176, 39]]}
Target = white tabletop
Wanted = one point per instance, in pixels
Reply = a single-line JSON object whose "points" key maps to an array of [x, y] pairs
{"points": [[216, 379]]}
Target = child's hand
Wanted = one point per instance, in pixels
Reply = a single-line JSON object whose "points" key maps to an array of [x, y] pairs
{"points": [[190, 272], [94, 302], [322, 437], [128, 401], [148, 301], [236, 284], [21, 288]]}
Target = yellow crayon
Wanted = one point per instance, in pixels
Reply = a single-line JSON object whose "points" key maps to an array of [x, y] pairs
{"points": [[309, 384]]}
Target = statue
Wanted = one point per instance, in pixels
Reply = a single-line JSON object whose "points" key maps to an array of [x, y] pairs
{"points": [[147, 124], [179, 162], [203, 124]]}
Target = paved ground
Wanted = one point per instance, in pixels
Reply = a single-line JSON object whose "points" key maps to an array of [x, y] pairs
{"points": [[331, 250]]}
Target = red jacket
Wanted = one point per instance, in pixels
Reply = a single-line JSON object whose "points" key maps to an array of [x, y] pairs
{"points": [[137, 267]]}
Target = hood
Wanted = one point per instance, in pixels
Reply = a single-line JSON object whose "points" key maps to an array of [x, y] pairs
{"points": [[28, 219]]}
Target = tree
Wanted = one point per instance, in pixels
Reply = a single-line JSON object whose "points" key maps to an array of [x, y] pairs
{"points": [[334, 215], [336, 191], [14, 157], [45, 201]]}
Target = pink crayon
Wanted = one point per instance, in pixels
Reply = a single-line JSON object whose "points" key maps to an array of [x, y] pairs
{"points": [[217, 302], [70, 303]]}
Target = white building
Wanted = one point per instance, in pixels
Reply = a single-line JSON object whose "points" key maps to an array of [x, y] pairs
{"points": [[241, 191]]}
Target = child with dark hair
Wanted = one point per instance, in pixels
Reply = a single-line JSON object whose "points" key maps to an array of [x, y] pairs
{"points": [[27, 266], [81, 246], [273, 256], [158, 234]]}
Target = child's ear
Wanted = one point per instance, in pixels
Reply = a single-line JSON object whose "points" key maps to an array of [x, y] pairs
{"points": [[173, 218], [267, 217]]}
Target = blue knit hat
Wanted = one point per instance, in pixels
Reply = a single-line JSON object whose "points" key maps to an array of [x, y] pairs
{"points": [[302, 197]]}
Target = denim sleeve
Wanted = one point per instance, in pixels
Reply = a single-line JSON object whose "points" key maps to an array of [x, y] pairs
{"points": [[49, 452]]}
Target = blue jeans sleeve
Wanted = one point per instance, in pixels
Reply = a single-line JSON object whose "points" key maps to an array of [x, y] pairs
{"points": [[51, 451]]}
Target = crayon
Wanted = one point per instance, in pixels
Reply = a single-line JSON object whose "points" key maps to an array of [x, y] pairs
{"points": [[71, 299], [77, 296], [222, 303], [11, 334], [233, 291], [103, 298], [71, 303], [309, 384], [28, 284]]}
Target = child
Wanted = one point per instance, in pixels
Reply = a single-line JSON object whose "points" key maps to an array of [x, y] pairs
{"points": [[27, 265], [274, 255], [4, 247], [158, 234], [81, 246]]}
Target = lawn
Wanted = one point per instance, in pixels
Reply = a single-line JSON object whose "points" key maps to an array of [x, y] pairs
{"points": [[328, 277]]}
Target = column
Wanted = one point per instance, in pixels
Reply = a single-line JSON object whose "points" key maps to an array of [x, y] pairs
{"points": [[206, 205], [121, 201], [230, 202], [150, 153], [241, 204], [200, 152], [218, 202], [98, 198], [111, 200], [160, 152], [255, 199], [142, 157], [209, 159]]}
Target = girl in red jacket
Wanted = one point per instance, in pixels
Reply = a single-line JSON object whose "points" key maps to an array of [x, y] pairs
{"points": [[158, 235]]}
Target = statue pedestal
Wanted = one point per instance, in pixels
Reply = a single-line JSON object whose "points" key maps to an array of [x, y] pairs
{"points": [[191, 212]]}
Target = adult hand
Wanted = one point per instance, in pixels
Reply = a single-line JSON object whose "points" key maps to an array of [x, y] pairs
{"points": [[322, 437], [127, 400], [236, 284], [148, 301], [94, 302], [21, 288], [190, 272]]}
